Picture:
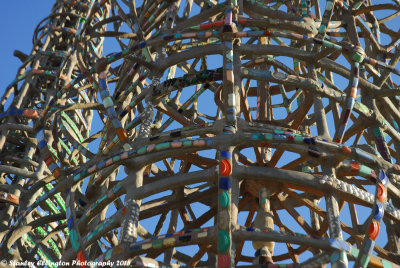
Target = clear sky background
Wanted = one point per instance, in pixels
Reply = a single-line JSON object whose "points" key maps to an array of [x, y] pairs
{"points": [[18, 20]]}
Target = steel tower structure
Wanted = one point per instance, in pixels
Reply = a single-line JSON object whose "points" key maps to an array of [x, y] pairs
{"points": [[211, 123]]}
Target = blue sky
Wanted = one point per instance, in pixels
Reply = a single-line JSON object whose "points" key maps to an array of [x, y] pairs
{"points": [[18, 20]]}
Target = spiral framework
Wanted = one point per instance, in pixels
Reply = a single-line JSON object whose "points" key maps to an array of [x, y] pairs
{"points": [[216, 134]]}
